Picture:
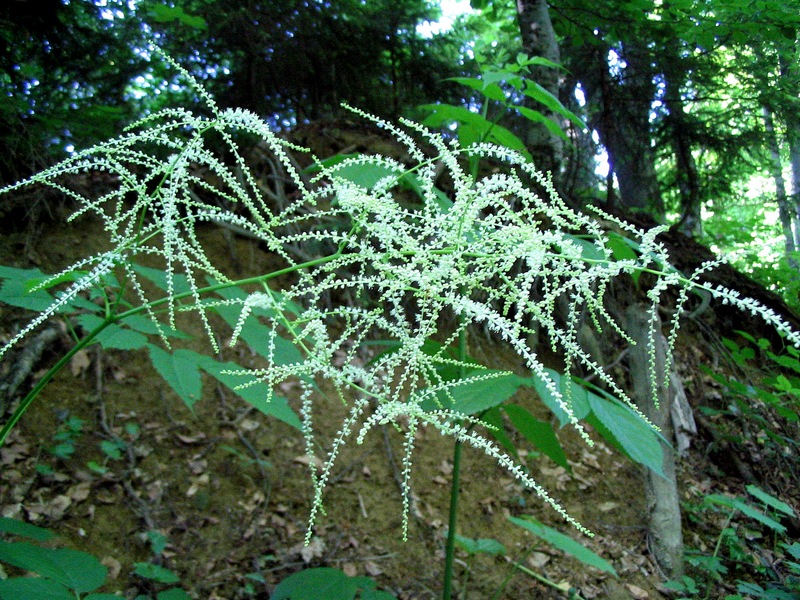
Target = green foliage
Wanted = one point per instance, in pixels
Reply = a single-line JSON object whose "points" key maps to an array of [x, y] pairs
{"points": [[751, 549], [62, 574], [332, 584], [371, 267], [564, 543]]}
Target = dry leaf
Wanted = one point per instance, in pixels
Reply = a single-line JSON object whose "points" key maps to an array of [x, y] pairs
{"points": [[637, 592], [372, 568], [315, 549], [191, 439], [80, 491], [114, 567], [79, 363], [538, 559]]}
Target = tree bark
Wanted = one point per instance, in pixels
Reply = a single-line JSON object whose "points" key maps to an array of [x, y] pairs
{"points": [[665, 534], [539, 39], [785, 211]]}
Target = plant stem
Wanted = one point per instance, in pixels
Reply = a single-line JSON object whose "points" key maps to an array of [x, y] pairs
{"points": [[112, 318], [450, 544]]}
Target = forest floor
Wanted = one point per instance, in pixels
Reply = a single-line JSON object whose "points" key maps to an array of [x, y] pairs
{"points": [[228, 488]]}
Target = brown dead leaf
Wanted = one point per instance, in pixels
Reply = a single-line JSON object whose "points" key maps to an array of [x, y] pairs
{"points": [[637, 592], [198, 482], [80, 491], [249, 424], [54, 509], [14, 452], [538, 559], [372, 568], [315, 549], [198, 438], [114, 567], [80, 363], [198, 466], [349, 569]]}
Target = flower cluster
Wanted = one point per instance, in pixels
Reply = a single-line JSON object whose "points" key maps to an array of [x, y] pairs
{"points": [[494, 253]]}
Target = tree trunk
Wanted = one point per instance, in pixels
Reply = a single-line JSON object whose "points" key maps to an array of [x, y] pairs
{"points": [[785, 211], [539, 39], [665, 535], [622, 102]]}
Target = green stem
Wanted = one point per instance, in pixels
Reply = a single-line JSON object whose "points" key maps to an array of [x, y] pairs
{"points": [[40, 385], [450, 544], [114, 318]]}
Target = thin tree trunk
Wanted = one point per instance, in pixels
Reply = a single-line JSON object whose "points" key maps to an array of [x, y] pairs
{"points": [[785, 211], [539, 39], [665, 535], [622, 119]]}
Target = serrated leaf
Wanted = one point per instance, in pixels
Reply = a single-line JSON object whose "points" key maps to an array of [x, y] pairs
{"points": [[633, 435], [747, 510], [77, 571], [564, 543], [113, 336], [472, 396], [580, 405], [161, 280], [180, 370], [258, 395], [769, 500], [538, 433], [15, 290]]}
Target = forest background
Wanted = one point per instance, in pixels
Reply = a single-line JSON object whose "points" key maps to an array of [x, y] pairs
{"points": [[691, 108], [680, 113]]}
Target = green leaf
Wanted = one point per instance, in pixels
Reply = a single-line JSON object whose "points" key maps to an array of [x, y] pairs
{"points": [[33, 588], [365, 175], [180, 370], [113, 336], [16, 289], [630, 433], [747, 510], [580, 404], [537, 117], [180, 283], [327, 583], [538, 433], [158, 541], [565, 544], [537, 92], [258, 395], [769, 500], [25, 530], [78, 571], [163, 13], [471, 396], [494, 418], [155, 573], [481, 545]]}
